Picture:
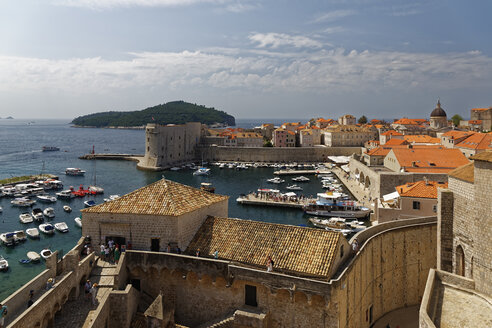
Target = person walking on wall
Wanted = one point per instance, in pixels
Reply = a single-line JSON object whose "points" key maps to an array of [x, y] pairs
{"points": [[87, 289], [93, 292], [116, 255]]}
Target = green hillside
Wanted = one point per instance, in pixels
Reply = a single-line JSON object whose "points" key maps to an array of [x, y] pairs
{"points": [[175, 112]]}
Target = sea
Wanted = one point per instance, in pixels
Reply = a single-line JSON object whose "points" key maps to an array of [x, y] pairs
{"points": [[21, 142]]}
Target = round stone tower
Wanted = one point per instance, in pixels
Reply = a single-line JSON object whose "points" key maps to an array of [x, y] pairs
{"points": [[438, 117]]}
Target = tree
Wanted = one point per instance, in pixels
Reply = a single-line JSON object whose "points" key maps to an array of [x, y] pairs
{"points": [[267, 144], [363, 119], [456, 119]]}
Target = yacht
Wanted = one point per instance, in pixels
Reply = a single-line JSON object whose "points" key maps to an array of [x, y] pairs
{"points": [[293, 187], [47, 228], [334, 204], [33, 233], [276, 180], [65, 194], [23, 202], [46, 198], [111, 197], [26, 217], [89, 203], [37, 214], [61, 226], [300, 179], [4, 264], [202, 171], [74, 171], [49, 212]]}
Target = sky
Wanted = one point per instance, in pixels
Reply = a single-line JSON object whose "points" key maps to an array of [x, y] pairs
{"points": [[250, 58]]}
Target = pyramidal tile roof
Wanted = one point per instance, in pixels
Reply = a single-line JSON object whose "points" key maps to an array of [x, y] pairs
{"points": [[465, 173], [296, 250], [421, 189], [164, 197]]}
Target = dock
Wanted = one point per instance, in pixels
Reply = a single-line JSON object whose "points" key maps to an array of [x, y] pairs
{"points": [[301, 172], [114, 157], [254, 200]]}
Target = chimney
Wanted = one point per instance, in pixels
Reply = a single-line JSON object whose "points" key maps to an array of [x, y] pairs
{"points": [[414, 164], [426, 181]]}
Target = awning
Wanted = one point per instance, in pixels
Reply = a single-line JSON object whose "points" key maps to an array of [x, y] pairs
{"points": [[391, 196], [290, 194]]}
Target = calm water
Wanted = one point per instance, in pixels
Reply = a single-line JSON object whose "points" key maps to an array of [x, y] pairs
{"points": [[20, 154]]}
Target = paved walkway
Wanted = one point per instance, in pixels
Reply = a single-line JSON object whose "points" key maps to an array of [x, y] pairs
{"points": [[76, 312], [355, 187]]}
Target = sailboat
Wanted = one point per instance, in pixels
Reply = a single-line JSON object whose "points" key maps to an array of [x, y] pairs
{"points": [[95, 188]]}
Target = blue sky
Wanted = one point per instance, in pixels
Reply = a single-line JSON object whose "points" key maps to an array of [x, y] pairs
{"points": [[253, 59]]}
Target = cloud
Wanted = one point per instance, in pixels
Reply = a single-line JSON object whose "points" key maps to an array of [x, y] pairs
{"points": [[334, 30], [275, 40], [334, 15], [229, 5]]}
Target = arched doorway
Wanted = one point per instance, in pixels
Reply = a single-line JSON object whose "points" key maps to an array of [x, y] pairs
{"points": [[460, 261], [367, 183]]}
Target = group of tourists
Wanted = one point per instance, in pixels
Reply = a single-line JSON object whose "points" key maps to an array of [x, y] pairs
{"points": [[90, 291], [110, 252]]}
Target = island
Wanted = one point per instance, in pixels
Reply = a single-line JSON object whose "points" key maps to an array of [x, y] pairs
{"points": [[175, 112]]}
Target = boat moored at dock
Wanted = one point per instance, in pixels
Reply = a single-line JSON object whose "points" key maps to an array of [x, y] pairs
{"points": [[334, 204], [75, 171]]}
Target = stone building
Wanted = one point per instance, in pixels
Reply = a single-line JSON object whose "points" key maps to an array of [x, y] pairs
{"points": [[306, 138], [170, 145], [438, 117], [484, 115], [283, 138], [348, 135], [388, 135], [475, 144], [150, 218], [459, 292], [347, 119]]}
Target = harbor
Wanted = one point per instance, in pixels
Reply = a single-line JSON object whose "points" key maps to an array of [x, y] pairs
{"points": [[302, 172]]}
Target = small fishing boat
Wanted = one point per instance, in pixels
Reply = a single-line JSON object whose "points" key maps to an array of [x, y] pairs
{"points": [[1, 209], [33, 233], [67, 208], [50, 148], [46, 198], [24, 261], [45, 253], [37, 214], [26, 218], [8, 238], [4, 264], [96, 189], [47, 228], [49, 212], [33, 256], [78, 222], [300, 179], [293, 187], [19, 236], [202, 171], [207, 186], [89, 203], [74, 171], [61, 226], [175, 168], [276, 180], [111, 197]]}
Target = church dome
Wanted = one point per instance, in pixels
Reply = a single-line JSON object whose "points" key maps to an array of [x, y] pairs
{"points": [[438, 111]]}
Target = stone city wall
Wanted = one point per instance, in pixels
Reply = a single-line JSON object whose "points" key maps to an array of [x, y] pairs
{"points": [[272, 154], [445, 216]]}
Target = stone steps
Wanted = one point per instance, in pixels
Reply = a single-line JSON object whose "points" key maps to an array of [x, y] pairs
{"points": [[224, 321]]}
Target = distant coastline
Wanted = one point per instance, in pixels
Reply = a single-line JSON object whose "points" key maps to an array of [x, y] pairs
{"points": [[110, 127]]}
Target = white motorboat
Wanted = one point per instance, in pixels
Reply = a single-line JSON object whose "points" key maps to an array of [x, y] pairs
{"points": [[20, 236], [89, 203], [276, 180], [332, 224], [8, 238], [23, 202], [33, 256], [47, 228], [202, 171], [78, 222], [65, 194], [74, 171], [4, 264], [33, 233], [222, 165], [45, 253], [175, 168], [37, 214], [334, 204], [26, 217], [111, 197], [46, 198], [49, 212], [1, 209], [96, 189], [293, 187], [61, 226], [67, 208], [300, 179]]}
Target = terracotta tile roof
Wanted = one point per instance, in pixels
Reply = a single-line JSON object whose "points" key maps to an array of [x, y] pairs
{"points": [[421, 138], [379, 151], [480, 109], [410, 121], [465, 172], [427, 170], [429, 159], [484, 156], [296, 250], [477, 141], [396, 142], [163, 197], [475, 122], [457, 134], [391, 133], [420, 189], [379, 126]]}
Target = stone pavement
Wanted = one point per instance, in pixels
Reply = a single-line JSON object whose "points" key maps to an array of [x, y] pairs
{"points": [[355, 188], [77, 312]]}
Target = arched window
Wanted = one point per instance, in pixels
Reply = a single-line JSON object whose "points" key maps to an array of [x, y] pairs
{"points": [[460, 261]]}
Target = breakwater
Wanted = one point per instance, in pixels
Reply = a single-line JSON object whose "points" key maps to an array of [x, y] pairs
{"points": [[114, 157]]}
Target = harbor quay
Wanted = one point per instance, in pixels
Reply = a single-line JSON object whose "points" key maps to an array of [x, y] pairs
{"points": [[264, 200]]}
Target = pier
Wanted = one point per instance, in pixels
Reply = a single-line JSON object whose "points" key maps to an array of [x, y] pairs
{"points": [[301, 172], [114, 157], [279, 201]]}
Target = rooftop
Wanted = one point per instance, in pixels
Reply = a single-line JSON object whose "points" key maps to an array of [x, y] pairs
{"points": [[163, 197], [391, 133], [421, 189], [465, 173], [479, 141], [421, 138], [396, 142], [429, 159], [295, 250], [486, 156], [480, 109]]}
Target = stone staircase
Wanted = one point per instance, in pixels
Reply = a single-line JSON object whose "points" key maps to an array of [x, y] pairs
{"points": [[225, 321]]}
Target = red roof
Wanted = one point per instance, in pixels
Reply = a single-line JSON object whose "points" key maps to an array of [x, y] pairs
{"points": [[391, 133], [421, 189], [429, 159], [480, 141], [396, 142]]}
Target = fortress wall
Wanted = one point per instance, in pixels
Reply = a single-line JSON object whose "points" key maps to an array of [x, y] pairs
{"points": [[389, 272], [272, 154]]}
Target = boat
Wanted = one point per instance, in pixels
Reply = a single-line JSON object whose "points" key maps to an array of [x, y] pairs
{"points": [[207, 186], [202, 171], [276, 180], [111, 197], [67, 208], [33, 256], [45, 253], [89, 203], [61, 226], [46, 198], [96, 189], [24, 261], [26, 218], [300, 179], [78, 222], [23, 202], [50, 148], [37, 214], [19, 236], [74, 171], [1, 209], [175, 168], [65, 194], [8, 238], [4, 264], [49, 212], [33, 233], [333, 204], [47, 228], [332, 224], [293, 187]]}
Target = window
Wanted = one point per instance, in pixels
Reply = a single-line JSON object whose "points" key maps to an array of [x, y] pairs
{"points": [[434, 208], [250, 295], [416, 205], [341, 251]]}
